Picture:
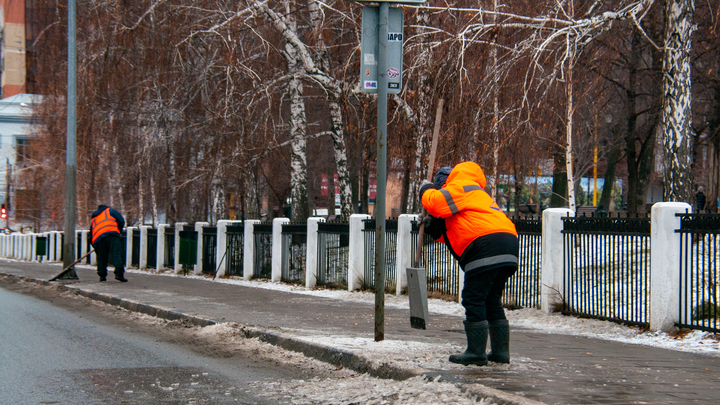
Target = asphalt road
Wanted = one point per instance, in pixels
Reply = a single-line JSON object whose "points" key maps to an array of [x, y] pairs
{"points": [[66, 351]]}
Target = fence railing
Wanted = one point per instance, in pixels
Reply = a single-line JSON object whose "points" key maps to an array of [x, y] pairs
{"points": [[135, 255], [607, 268], [151, 251], [234, 252], [169, 259], [699, 275], [588, 266], [443, 271], [523, 289], [294, 252], [209, 247], [263, 250], [391, 227], [333, 254]]}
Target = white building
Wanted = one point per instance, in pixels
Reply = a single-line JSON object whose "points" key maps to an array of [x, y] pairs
{"points": [[15, 129]]}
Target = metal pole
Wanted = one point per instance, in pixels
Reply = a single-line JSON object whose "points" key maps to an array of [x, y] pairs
{"points": [[379, 209], [70, 162]]}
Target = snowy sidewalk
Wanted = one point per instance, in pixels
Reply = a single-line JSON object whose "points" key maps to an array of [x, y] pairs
{"points": [[555, 359]]}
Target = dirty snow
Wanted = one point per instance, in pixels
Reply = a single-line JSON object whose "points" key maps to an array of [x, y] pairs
{"points": [[532, 319]]}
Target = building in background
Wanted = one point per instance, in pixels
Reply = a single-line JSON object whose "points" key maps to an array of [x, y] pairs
{"points": [[16, 122]]}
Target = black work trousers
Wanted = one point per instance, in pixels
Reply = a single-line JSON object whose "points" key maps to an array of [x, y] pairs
{"points": [[110, 250], [482, 294]]}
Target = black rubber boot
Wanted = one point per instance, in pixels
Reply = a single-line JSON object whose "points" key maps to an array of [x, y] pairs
{"points": [[120, 275], [477, 334], [499, 341]]}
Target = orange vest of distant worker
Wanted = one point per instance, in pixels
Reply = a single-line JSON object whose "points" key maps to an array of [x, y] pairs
{"points": [[468, 210], [103, 223]]}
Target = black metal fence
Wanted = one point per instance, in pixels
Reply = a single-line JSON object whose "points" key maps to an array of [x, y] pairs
{"points": [[234, 252], [333, 254], [90, 247], [294, 248], [391, 227], [607, 268], [699, 276], [135, 254], [263, 250], [523, 289], [209, 249], [169, 260], [151, 247], [78, 245], [443, 271]]}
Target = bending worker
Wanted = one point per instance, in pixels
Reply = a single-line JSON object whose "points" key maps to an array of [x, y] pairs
{"points": [[105, 228], [484, 242]]}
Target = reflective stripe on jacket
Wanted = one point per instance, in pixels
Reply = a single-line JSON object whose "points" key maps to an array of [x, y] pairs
{"points": [[103, 223], [468, 210]]}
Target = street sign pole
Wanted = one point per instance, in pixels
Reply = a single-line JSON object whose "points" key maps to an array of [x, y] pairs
{"points": [[379, 209]]}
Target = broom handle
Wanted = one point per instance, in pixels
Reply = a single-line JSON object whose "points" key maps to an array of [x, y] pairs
{"points": [[431, 164]]}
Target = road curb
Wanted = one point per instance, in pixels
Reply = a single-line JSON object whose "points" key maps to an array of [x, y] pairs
{"points": [[327, 354]]}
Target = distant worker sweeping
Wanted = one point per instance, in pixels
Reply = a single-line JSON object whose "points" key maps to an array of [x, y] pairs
{"points": [[105, 229], [484, 242]]}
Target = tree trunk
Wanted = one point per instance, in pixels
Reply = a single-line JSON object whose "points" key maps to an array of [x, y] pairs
{"points": [[252, 199], [496, 111], [298, 130], [569, 128], [559, 186], [677, 113]]}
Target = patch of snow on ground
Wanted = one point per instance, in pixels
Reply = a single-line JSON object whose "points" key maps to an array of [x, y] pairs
{"points": [[532, 319], [362, 389]]}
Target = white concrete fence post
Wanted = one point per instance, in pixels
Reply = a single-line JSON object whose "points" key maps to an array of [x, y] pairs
{"points": [[249, 248], [552, 258], [178, 227], [198, 269], [129, 245], [142, 260], [160, 252], [311, 256], [277, 249], [51, 245], [665, 265], [84, 245], [33, 256], [356, 252], [404, 250], [59, 246]]}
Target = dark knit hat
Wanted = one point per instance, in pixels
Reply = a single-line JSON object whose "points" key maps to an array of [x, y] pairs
{"points": [[442, 176]]}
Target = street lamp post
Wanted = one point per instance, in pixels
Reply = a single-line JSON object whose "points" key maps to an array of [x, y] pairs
{"points": [[70, 157]]}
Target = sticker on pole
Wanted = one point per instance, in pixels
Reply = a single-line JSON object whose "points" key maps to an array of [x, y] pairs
{"points": [[370, 85], [393, 73]]}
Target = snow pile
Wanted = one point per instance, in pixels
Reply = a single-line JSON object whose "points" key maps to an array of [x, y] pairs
{"points": [[362, 389]]}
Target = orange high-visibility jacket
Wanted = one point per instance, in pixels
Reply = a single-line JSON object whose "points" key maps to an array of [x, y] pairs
{"points": [[468, 210], [103, 223]]}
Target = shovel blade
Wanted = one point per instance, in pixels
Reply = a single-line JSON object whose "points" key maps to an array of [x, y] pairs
{"points": [[417, 292]]}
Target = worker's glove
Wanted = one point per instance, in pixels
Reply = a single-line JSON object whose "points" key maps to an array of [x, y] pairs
{"points": [[426, 185], [424, 218]]}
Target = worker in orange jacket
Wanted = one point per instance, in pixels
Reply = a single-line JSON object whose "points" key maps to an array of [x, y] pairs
{"points": [[484, 242], [105, 230]]}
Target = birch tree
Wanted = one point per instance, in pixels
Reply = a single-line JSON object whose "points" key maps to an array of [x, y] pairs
{"points": [[677, 90]]}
